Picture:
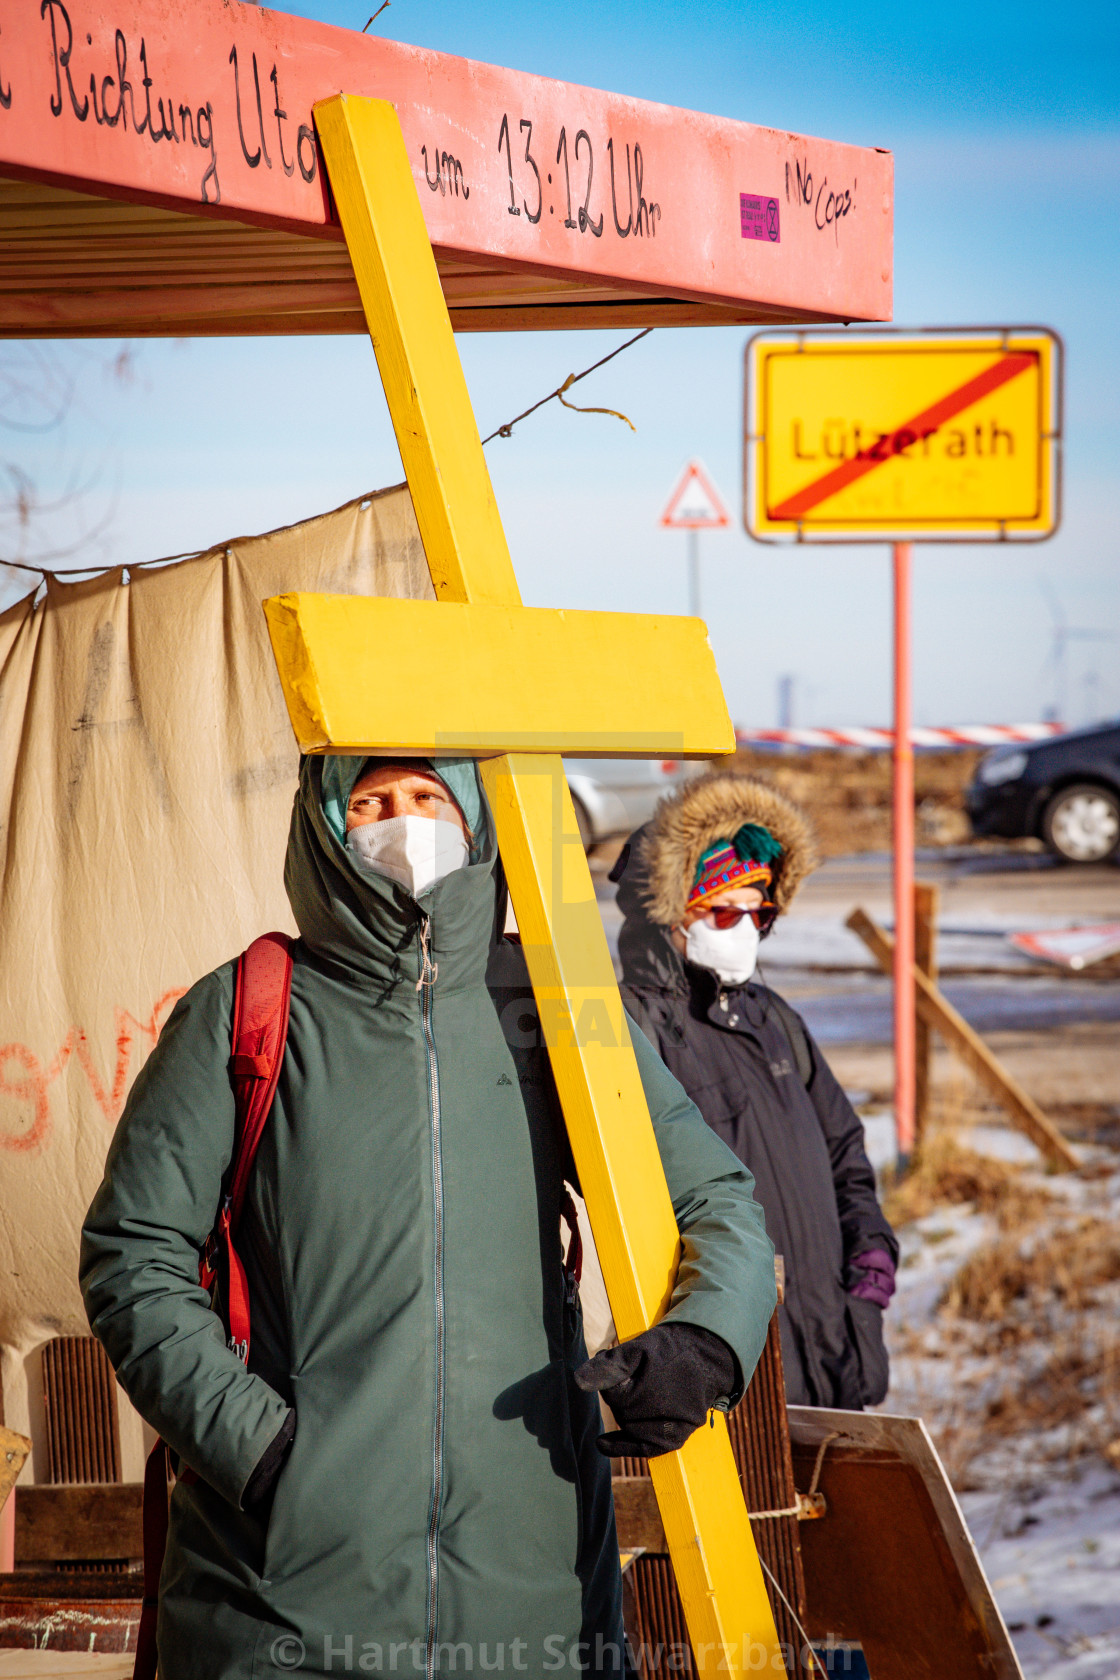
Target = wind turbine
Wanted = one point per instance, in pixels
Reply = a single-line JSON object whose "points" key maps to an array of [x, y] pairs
{"points": [[1057, 663]]}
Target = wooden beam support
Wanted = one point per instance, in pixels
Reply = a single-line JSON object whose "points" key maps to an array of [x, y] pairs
{"points": [[636, 1515], [939, 1013], [926, 899], [91, 1522], [699, 1495]]}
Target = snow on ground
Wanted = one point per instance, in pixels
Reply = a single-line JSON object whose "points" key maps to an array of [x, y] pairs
{"points": [[979, 941], [1052, 1554], [1024, 1400]]}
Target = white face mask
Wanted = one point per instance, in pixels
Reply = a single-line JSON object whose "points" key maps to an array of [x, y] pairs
{"points": [[732, 952], [414, 852]]}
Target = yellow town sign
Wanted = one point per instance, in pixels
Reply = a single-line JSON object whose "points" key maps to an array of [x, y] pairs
{"points": [[881, 437]]}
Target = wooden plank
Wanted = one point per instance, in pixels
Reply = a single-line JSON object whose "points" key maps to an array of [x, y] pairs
{"points": [[570, 967], [636, 1515], [64, 1665], [79, 265], [258, 324], [52, 1586], [90, 1521], [574, 682], [550, 178], [61, 311], [926, 900], [934, 1008], [75, 1616]]}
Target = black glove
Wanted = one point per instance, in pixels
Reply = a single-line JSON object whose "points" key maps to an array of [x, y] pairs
{"points": [[263, 1480], [661, 1386]]}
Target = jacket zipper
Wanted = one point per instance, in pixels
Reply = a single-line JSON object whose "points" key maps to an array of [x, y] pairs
{"points": [[429, 972]]}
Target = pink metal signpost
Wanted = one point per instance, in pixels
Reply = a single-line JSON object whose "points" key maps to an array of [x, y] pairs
{"points": [[905, 1036]]}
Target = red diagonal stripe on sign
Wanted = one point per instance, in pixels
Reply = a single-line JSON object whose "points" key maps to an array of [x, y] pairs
{"points": [[849, 472]]}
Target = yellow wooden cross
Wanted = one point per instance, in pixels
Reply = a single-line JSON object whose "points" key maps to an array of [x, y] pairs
{"points": [[477, 673]]}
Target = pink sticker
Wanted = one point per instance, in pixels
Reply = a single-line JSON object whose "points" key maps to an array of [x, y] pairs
{"points": [[758, 218]]}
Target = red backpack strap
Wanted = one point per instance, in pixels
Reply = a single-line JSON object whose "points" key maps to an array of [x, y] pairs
{"points": [[262, 997], [260, 1031], [262, 993]]}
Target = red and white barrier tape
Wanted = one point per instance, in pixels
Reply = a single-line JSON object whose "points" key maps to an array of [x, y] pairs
{"points": [[882, 740]]}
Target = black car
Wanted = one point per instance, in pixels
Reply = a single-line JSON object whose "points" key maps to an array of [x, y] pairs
{"points": [[1064, 791]]}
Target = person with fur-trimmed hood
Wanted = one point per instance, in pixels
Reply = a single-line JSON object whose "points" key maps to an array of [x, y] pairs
{"points": [[699, 887]]}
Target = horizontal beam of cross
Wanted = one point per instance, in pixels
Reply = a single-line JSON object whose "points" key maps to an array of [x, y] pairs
{"points": [[369, 675]]}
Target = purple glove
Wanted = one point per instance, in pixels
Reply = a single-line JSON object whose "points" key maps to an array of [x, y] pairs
{"points": [[873, 1275]]}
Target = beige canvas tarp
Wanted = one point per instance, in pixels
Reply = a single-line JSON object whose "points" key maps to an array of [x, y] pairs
{"points": [[146, 775]]}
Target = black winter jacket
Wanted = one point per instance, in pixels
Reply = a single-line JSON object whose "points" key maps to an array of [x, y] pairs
{"points": [[801, 1138]]}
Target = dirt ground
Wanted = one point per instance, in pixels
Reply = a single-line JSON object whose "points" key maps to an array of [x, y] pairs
{"points": [[975, 883], [1073, 1074], [849, 795]]}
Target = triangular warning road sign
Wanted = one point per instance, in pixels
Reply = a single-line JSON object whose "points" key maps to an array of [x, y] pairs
{"points": [[695, 504]]}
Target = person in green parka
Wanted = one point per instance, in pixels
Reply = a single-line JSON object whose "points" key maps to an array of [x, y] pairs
{"points": [[405, 1479]]}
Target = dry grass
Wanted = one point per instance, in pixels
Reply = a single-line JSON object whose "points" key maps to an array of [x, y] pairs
{"points": [[1064, 1268], [1023, 1356], [940, 1389], [948, 1173], [1076, 1379]]}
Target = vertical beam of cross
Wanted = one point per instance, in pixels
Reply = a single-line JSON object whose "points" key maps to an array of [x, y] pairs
{"points": [[698, 1490]]}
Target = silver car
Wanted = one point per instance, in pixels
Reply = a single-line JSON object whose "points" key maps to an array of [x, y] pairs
{"points": [[613, 796]]}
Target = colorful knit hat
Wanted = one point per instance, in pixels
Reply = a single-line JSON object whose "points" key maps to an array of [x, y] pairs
{"points": [[743, 861]]}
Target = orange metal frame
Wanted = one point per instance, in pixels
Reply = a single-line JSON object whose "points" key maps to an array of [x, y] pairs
{"points": [[160, 174]]}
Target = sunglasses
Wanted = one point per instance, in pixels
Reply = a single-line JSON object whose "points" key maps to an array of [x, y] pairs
{"points": [[726, 916]]}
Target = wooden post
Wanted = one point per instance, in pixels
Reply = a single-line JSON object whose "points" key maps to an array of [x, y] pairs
{"points": [[698, 1490], [970, 1047], [903, 826], [926, 897]]}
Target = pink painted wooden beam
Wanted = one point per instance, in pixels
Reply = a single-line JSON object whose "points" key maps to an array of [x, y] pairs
{"points": [[548, 204]]}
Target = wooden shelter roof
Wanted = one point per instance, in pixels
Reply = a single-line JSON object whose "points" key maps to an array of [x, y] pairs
{"points": [[160, 175]]}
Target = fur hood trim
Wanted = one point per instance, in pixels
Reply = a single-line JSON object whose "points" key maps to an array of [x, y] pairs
{"points": [[714, 807]]}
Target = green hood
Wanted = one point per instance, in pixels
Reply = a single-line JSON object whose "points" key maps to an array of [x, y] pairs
{"points": [[355, 922], [458, 775]]}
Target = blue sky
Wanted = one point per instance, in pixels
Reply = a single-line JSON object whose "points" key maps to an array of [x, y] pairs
{"points": [[1005, 124]]}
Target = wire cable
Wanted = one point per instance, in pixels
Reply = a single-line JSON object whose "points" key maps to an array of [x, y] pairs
{"points": [[793, 1615], [573, 379], [502, 431]]}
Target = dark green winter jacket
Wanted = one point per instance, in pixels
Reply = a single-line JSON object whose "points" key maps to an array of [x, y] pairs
{"points": [[443, 1508]]}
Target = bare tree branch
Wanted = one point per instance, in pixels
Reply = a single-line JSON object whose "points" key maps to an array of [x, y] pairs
{"points": [[39, 387]]}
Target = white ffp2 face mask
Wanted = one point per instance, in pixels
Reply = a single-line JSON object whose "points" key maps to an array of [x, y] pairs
{"points": [[732, 952], [414, 852]]}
